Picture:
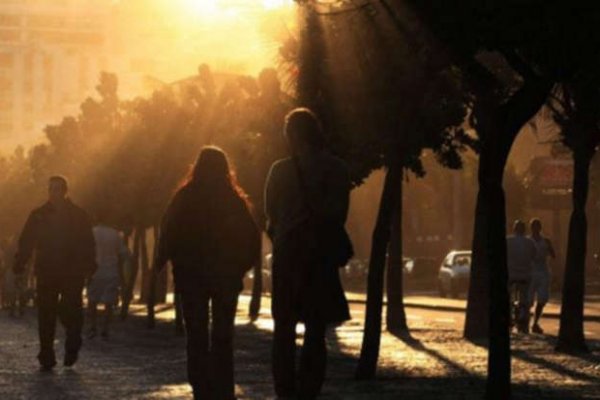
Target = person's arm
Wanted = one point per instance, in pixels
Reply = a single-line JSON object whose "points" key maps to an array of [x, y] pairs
{"points": [[123, 254], [270, 201], [88, 242], [166, 231], [551, 249], [27, 243]]}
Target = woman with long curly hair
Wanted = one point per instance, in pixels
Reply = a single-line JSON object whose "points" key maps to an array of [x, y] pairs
{"points": [[211, 239]]}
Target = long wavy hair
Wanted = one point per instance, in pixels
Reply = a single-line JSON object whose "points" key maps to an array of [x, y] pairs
{"points": [[213, 172]]}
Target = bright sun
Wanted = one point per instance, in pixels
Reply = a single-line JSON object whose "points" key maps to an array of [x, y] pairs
{"points": [[224, 8], [241, 36]]}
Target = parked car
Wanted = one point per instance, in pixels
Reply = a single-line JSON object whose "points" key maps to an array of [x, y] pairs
{"points": [[266, 275], [454, 274], [420, 273], [354, 274]]}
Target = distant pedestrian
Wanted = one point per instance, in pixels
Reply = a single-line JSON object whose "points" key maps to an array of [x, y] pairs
{"points": [[111, 255], [539, 290], [306, 203], [520, 255], [211, 239], [60, 235]]}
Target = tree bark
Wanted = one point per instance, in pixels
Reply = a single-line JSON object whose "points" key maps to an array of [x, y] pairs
{"points": [[369, 354], [571, 336], [476, 327], [479, 295], [499, 371], [498, 131], [396, 315]]}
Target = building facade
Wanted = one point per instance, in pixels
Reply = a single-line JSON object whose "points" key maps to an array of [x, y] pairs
{"points": [[51, 53]]}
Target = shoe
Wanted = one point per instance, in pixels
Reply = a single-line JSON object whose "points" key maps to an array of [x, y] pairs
{"points": [[104, 335], [47, 361], [47, 367], [70, 358], [537, 329]]}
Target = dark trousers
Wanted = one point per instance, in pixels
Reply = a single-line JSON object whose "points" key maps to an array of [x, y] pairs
{"points": [[309, 380], [210, 351], [59, 297]]}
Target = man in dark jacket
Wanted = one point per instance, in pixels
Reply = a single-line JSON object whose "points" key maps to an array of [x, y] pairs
{"points": [[302, 192], [60, 235]]}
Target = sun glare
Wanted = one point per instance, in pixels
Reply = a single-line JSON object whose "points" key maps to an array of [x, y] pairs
{"points": [[239, 36], [224, 8]]}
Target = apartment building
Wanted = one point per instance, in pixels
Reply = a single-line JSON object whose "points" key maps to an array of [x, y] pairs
{"points": [[51, 52]]}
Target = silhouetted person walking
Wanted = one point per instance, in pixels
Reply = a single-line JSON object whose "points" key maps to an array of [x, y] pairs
{"points": [[306, 202], [60, 235], [520, 255], [111, 254], [210, 237], [539, 289]]}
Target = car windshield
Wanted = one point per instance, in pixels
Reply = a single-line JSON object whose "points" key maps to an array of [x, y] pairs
{"points": [[462, 260]]}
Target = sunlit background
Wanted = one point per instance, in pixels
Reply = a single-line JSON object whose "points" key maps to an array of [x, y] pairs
{"points": [[145, 42]]}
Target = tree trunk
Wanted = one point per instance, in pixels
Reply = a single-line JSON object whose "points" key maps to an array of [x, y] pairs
{"points": [[369, 354], [499, 371], [257, 287], [498, 126], [571, 334], [396, 315], [479, 294]]}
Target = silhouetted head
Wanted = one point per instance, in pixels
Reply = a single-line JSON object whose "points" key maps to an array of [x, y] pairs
{"points": [[303, 131], [519, 227], [57, 189], [212, 171], [101, 216], [536, 226]]}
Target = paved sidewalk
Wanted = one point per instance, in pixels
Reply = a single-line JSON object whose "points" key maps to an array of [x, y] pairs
{"points": [[137, 363], [433, 302]]}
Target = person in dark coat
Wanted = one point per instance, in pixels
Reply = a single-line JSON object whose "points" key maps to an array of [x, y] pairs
{"points": [[60, 235], [310, 185], [210, 237]]}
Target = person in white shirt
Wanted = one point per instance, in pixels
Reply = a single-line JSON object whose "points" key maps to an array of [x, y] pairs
{"points": [[540, 277], [111, 253]]}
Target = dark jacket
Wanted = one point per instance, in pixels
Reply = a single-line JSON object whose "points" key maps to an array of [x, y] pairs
{"points": [[208, 235], [305, 286], [63, 243]]}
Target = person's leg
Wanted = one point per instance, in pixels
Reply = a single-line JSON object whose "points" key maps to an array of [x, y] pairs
{"points": [[523, 323], [531, 296], [195, 315], [284, 357], [71, 316], [179, 330], [223, 307], [543, 295], [93, 317], [313, 360], [47, 301], [108, 313]]}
